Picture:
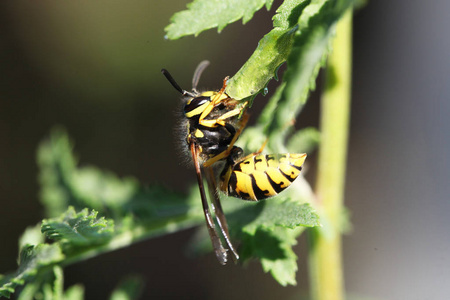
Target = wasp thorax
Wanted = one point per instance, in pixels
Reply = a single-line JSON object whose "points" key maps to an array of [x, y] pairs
{"points": [[195, 106]]}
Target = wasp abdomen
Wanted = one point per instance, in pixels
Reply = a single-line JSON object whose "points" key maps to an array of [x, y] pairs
{"points": [[262, 176]]}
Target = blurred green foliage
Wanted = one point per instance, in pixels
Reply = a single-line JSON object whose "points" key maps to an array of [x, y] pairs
{"points": [[91, 211]]}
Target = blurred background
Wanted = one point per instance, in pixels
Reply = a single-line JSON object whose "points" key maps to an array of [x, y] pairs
{"points": [[94, 68]]}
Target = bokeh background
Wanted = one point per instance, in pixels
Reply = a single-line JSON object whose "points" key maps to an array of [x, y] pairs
{"points": [[94, 67]]}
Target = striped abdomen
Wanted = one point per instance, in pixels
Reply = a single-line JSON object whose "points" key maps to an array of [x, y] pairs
{"points": [[261, 176]]}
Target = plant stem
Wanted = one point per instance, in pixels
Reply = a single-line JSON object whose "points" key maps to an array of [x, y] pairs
{"points": [[325, 260]]}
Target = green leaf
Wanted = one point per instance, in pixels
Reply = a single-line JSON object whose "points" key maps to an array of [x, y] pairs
{"points": [[205, 14], [50, 285], [56, 165], [32, 259], [29, 291], [31, 236], [309, 51], [65, 184], [79, 229], [83, 235], [268, 229], [132, 214], [131, 206], [58, 284], [304, 141], [100, 190], [315, 29], [274, 249], [283, 267], [128, 289], [273, 49], [280, 211], [75, 292], [285, 213]]}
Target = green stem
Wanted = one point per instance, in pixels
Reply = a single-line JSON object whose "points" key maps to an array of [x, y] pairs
{"points": [[134, 235], [325, 260]]}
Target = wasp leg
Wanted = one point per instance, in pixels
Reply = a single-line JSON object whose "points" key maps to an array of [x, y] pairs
{"points": [[227, 152], [217, 207], [220, 251], [220, 120], [217, 99]]}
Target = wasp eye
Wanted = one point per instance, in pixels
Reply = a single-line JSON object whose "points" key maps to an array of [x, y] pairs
{"points": [[192, 105]]}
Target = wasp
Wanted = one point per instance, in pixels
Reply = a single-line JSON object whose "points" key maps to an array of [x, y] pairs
{"points": [[212, 124]]}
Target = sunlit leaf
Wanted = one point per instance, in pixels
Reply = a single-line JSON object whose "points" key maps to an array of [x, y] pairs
{"points": [[205, 14], [273, 49], [31, 260], [83, 228]]}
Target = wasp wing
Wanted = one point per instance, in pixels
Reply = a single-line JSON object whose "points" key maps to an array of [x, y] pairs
{"points": [[220, 251], [217, 207]]}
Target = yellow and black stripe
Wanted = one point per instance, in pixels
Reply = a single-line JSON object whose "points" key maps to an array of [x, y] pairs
{"points": [[261, 176], [195, 106]]}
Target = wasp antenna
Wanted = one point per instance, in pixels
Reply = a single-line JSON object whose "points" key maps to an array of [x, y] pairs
{"points": [[173, 82], [198, 72]]}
